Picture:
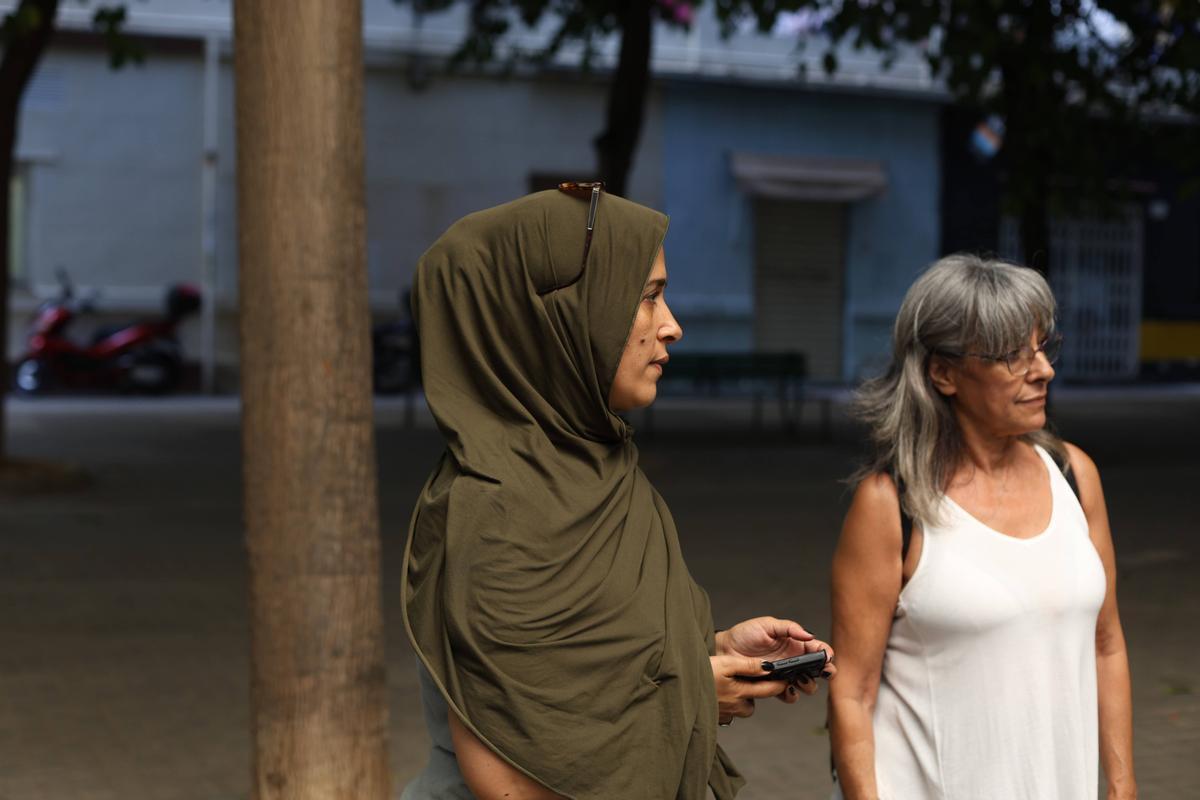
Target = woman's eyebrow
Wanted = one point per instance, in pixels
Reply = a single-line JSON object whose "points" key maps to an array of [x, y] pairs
{"points": [[657, 283]]}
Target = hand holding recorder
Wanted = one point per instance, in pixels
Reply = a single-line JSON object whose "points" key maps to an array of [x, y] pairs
{"points": [[741, 676]]}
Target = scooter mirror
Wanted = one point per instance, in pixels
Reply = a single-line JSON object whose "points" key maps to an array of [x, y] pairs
{"points": [[64, 281]]}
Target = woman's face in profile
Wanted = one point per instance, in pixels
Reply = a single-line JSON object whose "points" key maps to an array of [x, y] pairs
{"points": [[654, 328], [1001, 402]]}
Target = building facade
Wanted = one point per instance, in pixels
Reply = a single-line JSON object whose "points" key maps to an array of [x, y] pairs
{"points": [[802, 206]]}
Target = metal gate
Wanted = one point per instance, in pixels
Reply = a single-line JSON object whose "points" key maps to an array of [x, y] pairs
{"points": [[1096, 273]]}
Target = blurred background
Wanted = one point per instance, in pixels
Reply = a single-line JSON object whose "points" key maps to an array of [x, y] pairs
{"points": [[814, 157], [803, 202]]}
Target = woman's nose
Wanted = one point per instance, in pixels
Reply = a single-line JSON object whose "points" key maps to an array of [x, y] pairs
{"points": [[1041, 369], [670, 331]]}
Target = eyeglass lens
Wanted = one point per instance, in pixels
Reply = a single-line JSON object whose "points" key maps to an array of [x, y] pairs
{"points": [[1021, 361]]}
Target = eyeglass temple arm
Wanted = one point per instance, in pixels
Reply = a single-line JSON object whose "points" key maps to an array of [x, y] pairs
{"points": [[591, 225]]}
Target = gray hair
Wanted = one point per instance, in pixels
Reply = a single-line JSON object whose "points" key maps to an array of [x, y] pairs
{"points": [[962, 303]]}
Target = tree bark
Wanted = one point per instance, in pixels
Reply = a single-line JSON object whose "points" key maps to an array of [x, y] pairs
{"points": [[20, 59], [627, 96], [318, 689]]}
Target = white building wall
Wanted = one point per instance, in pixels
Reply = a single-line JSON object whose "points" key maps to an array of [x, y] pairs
{"points": [[113, 160], [114, 172], [469, 143], [114, 164]]}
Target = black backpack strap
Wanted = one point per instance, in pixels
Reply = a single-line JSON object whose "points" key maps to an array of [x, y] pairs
{"points": [[906, 522], [1064, 466]]}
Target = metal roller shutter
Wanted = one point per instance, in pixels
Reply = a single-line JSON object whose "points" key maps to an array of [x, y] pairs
{"points": [[799, 259]]}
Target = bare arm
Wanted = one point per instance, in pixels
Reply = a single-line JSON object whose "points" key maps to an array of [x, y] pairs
{"points": [[1112, 662], [488, 776], [866, 586]]}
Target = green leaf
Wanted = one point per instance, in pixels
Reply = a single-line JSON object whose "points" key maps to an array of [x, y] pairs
{"points": [[109, 21]]}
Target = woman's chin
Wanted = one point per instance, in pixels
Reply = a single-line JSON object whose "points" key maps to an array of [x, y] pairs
{"points": [[642, 398], [648, 396]]}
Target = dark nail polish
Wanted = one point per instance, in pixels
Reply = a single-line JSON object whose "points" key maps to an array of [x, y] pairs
{"points": [[824, 673], [768, 666]]}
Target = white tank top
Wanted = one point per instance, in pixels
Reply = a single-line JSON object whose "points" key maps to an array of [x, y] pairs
{"points": [[988, 689]]}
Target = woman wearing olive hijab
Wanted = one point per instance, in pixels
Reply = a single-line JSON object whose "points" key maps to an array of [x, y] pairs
{"points": [[560, 634]]}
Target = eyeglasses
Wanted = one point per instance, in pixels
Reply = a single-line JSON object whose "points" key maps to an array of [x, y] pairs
{"points": [[595, 188], [1020, 361]]}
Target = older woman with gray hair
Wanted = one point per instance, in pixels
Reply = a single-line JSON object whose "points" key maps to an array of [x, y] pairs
{"points": [[980, 650]]}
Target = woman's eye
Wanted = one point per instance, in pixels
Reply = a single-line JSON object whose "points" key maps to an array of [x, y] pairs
{"points": [[653, 296]]}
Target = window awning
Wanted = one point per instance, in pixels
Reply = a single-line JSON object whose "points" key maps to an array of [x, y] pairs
{"points": [[831, 180]]}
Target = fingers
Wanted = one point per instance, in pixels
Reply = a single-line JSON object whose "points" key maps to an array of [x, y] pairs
{"points": [[728, 671], [736, 696], [731, 666], [796, 631], [742, 666], [782, 628], [813, 645], [805, 686], [762, 688]]}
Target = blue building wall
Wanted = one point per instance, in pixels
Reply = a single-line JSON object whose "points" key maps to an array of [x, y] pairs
{"points": [[891, 237]]}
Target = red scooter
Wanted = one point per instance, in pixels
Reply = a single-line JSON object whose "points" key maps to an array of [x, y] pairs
{"points": [[141, 356]]}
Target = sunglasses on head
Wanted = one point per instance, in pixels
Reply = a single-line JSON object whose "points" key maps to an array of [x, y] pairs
{"points": [[581, 188]]}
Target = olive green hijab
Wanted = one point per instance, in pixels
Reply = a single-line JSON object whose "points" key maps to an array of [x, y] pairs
{"points": [[544, 587]]}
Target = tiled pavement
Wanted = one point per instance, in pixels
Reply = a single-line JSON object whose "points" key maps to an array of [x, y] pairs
{"points": [[122, 608]]}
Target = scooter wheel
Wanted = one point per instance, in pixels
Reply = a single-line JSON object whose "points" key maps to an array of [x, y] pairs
{"points": [[32, 376], [152, 373]]}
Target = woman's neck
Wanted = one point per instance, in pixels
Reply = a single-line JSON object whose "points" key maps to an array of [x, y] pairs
{"points": [[985, 452]]}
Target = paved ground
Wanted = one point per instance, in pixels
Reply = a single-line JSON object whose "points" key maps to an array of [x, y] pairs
{"points": [[123, 620]]}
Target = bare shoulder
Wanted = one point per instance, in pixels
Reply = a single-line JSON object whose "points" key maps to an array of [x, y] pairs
{"points": [[873, 521], [1082, 465], [876, 491], [1087, 477], [867, 565]]}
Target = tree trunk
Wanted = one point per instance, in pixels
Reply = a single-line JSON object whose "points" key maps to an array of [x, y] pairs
{"points": [[21, 57], [318, 688], [1035, 236], [626, 96], [1031, 100], [1029, 167], [1029, 173]]}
